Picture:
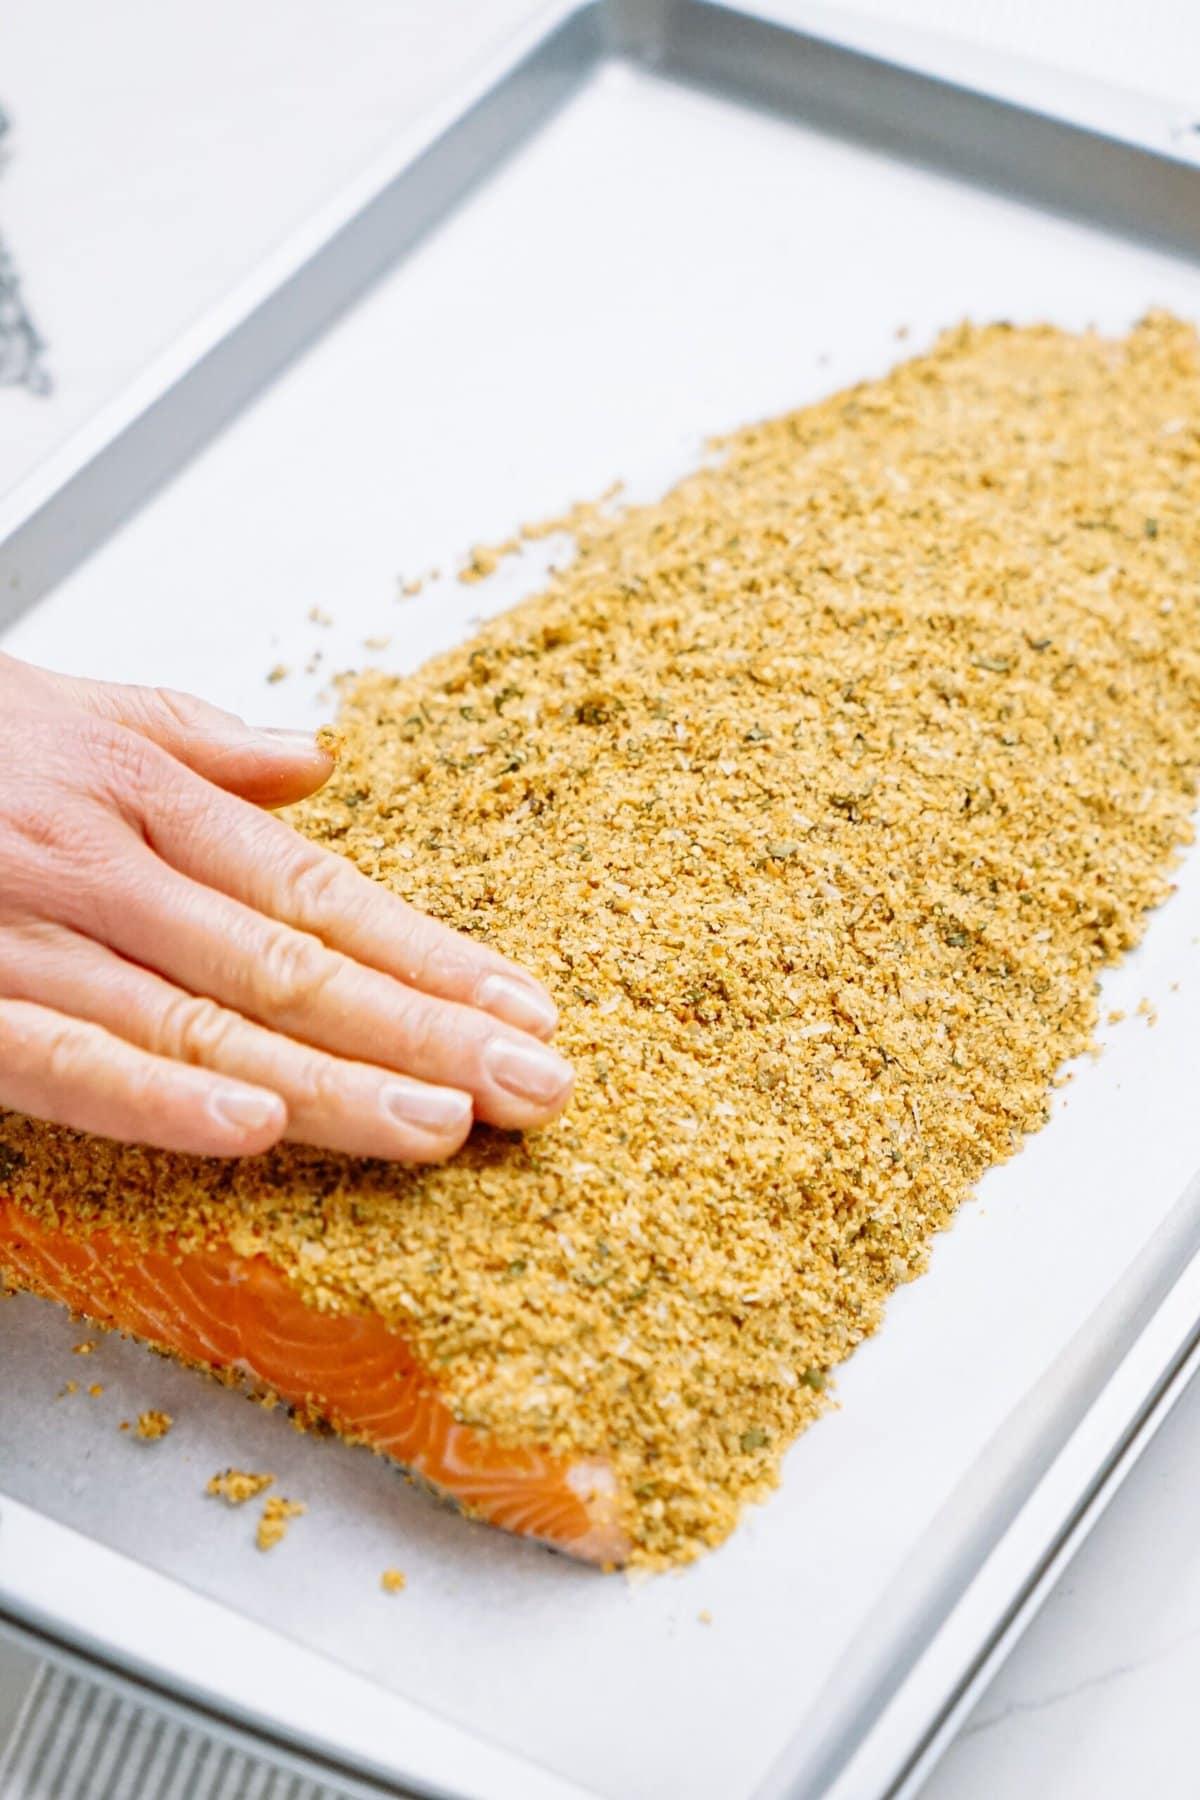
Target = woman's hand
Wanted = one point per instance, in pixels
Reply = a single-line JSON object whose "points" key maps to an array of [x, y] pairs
{"points": [[179, 968]]}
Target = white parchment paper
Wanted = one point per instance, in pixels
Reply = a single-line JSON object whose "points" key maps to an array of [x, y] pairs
{"points": [[657, 265]]}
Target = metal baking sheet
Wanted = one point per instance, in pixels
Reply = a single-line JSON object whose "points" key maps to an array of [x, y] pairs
{"points": [[646, 223]]}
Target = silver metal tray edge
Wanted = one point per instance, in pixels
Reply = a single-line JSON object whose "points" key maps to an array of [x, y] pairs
{"points": [[982, 1570]]}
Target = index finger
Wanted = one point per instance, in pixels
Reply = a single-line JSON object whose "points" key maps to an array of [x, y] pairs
{"points": [[231, 846]]}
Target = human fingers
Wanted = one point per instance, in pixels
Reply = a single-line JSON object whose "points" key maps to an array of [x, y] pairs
{"points": [[291, 982], [266, 766], [73, 1073], [333, 1103], [263, 863]]}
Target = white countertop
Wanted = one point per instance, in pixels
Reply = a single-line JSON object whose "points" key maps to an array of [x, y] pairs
{"points": [[149, 171]]}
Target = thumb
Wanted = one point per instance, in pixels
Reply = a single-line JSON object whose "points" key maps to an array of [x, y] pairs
{"points": [[267, 766]]}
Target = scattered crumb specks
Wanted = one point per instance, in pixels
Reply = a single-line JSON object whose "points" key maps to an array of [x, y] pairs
{"points": [[848, 765], [393, 1581], [236, 1486], [277, 1515], [484, 559], [153, 1425]]}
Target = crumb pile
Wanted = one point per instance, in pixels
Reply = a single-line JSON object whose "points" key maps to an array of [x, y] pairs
{"points": [[153, 1425], [236, 1486], [277, 1515], [819, 792]]}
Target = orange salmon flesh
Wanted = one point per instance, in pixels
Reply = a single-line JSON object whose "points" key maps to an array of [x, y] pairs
{"points": [[239, 1316]]}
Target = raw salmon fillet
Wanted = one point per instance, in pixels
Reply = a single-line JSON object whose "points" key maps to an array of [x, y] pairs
{"points": [[239, 1316], [820, 792]]}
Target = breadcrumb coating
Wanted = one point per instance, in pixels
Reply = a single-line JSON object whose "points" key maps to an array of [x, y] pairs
{"points": [[819, 792]]}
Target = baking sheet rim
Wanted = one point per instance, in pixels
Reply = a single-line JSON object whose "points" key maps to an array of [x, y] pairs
{"points": [[1155, 1363]]}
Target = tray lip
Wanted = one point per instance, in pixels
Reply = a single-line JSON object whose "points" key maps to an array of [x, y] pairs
{"points": [[194, 1656], [624, 29], [1159, 1370], [1111, 1418], [277, 268]]}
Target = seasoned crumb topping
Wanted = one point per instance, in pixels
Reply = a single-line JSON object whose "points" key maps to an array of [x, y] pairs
{"points": [[236, 1486], [277, 1515], [393, 1581], [819, 792], [153, 1425]]}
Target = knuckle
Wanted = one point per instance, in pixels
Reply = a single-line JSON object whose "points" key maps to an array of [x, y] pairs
{"points": [[41, 826], [431, 1031], [64, 1051], [14, 1033], [433, 956], [172, 707], [293, 972], [316, 1088], [124, 771], [118, 753], [147, 1089], [28, 946], [319, 890], [197, 1030]]}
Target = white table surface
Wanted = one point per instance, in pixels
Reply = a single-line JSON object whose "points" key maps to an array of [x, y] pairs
{"points": [[158, 152]]}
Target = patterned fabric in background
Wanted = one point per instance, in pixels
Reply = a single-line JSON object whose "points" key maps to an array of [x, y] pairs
{"points": [[21, 346]]}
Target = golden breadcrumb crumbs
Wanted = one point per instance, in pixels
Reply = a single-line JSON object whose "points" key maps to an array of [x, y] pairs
{"points": [[236, 1486], [280, 672], [704, 1616], [1116, 1016], [485, 559], [153, 1425], [820, 792], [576, 520], [96, 1389], [376, 643], [277, 1515], [393, 1581], [408, 590], [68, 1388], [317, 616], [85, 1349]]}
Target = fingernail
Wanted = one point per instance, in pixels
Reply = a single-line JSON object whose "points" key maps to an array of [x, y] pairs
{"points": [[291, 740], [429, 1108], [530, 1071], [517, 1003], [244, 1110]]}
